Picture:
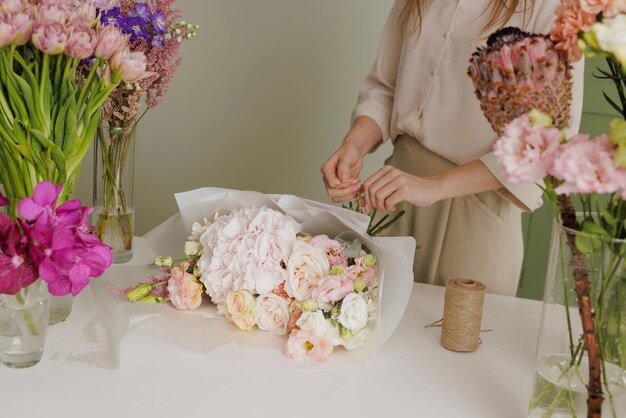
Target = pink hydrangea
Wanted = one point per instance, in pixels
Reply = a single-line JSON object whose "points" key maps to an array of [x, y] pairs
{"points": [[526, 151], [185, 291], [571, 19], [304, 345], [331, 289], [586, 166]]}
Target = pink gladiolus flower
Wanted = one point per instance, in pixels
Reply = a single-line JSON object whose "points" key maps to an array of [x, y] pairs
{"points": [[185, 291], [304, 345], [333, 288], [131, 66], [586, 166], [110, 41], [81, 43], [526, 151], [50, 37]]}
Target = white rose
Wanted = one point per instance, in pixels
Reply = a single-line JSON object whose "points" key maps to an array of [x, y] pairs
{"points": [[611, 36], [240, 309], [273, 313], [353, 312], [318, 325], [306, 266]]}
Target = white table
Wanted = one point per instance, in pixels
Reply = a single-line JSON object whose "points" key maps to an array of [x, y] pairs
{"points": [[412, 375]]}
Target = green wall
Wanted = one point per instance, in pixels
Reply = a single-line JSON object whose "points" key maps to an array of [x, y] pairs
{"points": [[537, 226]]}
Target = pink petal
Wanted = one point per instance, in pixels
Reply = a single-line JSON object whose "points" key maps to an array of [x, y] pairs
{"points": [[45, 194], [3, 200], [28, 209]]}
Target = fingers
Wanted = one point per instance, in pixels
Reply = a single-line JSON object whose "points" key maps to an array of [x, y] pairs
{"points": [[379, 186], [329, 171], [343, 194]]}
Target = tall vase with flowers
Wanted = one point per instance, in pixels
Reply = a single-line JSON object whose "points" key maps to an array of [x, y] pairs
{"points": [[49, 107], [49, 244], [581, 353], [153, 30]]}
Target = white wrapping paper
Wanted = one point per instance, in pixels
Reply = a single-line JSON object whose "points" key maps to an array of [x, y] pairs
{"points": [[203, 330]]}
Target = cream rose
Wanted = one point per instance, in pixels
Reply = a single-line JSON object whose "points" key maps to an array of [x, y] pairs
{"points": [[353, 312], [240, 309], [273, 313], [306, 266]]}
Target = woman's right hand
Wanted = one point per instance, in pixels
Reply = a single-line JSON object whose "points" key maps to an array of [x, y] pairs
{"points": [[341, 173]]}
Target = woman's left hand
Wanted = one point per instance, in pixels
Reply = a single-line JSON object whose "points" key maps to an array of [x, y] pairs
{"points": [[390, 186]]}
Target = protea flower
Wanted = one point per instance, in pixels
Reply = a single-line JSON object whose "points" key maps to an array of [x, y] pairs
{"points": [[517, 72]]}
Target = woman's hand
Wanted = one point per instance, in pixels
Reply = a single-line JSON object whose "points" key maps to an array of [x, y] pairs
{"points": [[341, 173], [390, 186]]}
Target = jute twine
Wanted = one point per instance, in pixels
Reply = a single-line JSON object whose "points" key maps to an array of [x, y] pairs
{"points": [[462, 314]]}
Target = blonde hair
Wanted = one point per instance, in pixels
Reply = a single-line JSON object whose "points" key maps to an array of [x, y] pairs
{"points": [[500, 11]]}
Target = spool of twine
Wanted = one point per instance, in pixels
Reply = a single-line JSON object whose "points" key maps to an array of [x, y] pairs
{"points": [[462, 313]]}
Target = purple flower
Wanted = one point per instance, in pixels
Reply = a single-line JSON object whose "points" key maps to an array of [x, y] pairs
{"points": [[158, 22], [43, 202], [142, 11], [111, 17], [158, 40]]}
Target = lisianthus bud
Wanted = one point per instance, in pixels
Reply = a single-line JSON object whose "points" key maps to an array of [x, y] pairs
{"points": [[159, 261], [50, 37], [153, 299], [617, 134], [336, 270], [370, 260], [140, 292], [619, 157], [196, 271], [192, 248], [345, 333], [359, 285], [309, 305], [167, 261], [539, 118], [110, 41]]}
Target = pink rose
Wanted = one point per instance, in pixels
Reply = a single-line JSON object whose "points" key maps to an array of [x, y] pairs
{"points": [[110, 41], [185, 291], [81, 43], [333, 288], [526, 150], [586, 166], [131, 66], [50, 37], [273, 312], [304, 345]]}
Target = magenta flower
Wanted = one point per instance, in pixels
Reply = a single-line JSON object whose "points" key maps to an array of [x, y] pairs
{"points": [[43, 201], [16, 269], [3, 200]]}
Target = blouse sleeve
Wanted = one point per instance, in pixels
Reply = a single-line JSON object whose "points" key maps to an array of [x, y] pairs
{"points": [[377, 92], [527, 196]]}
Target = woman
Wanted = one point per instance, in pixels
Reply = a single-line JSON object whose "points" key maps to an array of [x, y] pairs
{"points": [[465, 216]]}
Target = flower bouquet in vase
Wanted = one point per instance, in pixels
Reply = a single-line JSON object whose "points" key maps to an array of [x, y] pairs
{"points": [[45, 244], [580, 368], [154, 34], [49, 106]]}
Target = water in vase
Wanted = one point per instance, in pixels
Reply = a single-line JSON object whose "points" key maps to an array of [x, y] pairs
{"points": [[115, 229], [560, 389]]}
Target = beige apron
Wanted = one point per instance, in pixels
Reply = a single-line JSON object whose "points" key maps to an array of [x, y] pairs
{"points": [[473, 237]]}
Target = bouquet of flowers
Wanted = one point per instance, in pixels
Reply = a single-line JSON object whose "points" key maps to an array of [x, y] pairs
{"points": [[48, 113], [260, 270], [154, 31], [534, 148]]}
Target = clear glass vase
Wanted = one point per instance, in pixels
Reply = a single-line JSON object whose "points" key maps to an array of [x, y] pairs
{"points": [[562, 365], [60, 308], [23, 326], [113, 189]]}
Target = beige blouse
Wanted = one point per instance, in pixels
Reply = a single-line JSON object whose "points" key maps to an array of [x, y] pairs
{"points": [[418, 86]]}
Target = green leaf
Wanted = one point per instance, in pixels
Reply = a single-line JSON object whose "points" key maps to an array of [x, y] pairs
{"points": [[55, 154], [608, 217], [591, 227], [353, 250], [584, 244]]}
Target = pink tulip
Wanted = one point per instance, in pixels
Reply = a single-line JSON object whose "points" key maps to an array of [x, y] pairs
{"points": [[23, 24], [11, 6], [7, 30], [82, 42], [50, 37], [110, 41], [52, 13], [131, 66]]}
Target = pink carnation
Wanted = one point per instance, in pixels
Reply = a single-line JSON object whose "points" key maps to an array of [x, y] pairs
{"points": [[304, 345], [594, 6], [333, 288], [184, 290], [586, 166], [571, 19], [526, 151], [334, 250]]}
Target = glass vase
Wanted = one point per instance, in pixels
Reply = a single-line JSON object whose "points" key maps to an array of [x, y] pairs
{"points": [[562, 365], [60, 308], [113, 189], [23, 326]]}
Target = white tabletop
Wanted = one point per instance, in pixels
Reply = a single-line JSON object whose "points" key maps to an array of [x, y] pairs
{"points": [[410, 375]]}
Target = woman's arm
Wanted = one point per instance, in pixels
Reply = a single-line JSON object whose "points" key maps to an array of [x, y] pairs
{"points": [[390, 186]]}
